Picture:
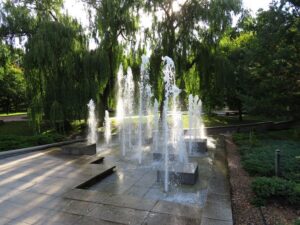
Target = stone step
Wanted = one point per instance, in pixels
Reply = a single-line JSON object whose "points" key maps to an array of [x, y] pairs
{"points": [[98, 178]]}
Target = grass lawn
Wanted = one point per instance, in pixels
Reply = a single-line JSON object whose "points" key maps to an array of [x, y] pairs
{"points": [[258, 159], [13, 114]]}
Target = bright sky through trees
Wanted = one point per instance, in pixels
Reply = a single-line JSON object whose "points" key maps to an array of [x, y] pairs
{"points": [[77, 9]]}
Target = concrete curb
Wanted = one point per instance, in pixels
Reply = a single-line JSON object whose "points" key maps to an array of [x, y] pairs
{"points": [[21, 151], [258, 127]]}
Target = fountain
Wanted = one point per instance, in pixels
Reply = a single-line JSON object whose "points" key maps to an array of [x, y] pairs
{"points": [[144, 105], [179, 170], [153, 146], [196, 141], [128, 99], [155, 126], [88, 148], [120, 109], [92, 123], [169, 146], [107, 125]]}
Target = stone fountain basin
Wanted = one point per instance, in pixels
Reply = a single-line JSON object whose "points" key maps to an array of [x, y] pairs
{"points": [[173, 156], [198, 145], [183, 173], [80, 149]]}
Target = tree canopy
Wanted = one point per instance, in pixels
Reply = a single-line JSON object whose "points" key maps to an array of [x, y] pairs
{"points": [[252, 66]]}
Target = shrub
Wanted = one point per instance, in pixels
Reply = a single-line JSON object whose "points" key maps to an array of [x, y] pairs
{"points": [[42, 140], [266, 188], [258, 154], [9, 142], [297, 222]]}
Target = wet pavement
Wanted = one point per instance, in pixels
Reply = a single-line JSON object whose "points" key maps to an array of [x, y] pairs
{"points": [[41, 188]]}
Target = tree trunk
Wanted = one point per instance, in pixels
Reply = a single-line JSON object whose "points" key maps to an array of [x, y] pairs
{"points": [[240, 112]]}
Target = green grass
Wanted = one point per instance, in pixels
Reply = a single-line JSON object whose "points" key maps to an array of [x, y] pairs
{"points": [[13, 114]]}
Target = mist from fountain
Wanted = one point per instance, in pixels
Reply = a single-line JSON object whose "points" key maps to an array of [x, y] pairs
{"points": [[128, 99], [196, 125], [176, 128], [167, 137], [120, 109], [155, 126], [92, 136], [191, 119], [144, 106], [107, 125]]}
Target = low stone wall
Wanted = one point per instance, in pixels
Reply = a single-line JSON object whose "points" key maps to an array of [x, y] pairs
{"points": [[10, 153], [283, 125], [258, 127]]}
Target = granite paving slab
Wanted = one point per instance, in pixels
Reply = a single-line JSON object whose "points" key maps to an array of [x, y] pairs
{"points": [[79, 207], [4, 221], [33, 216], [60, 218], [218, 210], [10, 210], [118, 214], [160, 219], [137, 190], [40, 188], [177, 209], [94, 221]]}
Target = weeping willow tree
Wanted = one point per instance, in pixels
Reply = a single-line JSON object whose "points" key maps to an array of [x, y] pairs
{"points": [[54, 71], [113, 27], [189, 32]]}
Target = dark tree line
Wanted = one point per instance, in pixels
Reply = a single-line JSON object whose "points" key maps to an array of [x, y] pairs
{"points": [[251, 67]]}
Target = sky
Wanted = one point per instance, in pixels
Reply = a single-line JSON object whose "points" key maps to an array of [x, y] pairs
{"points": [[77, 9]]}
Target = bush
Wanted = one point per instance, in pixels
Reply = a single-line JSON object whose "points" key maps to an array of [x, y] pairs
{"points": [[266, 188], [297, 222], [10, 142], [42, 140], [258, 153]]}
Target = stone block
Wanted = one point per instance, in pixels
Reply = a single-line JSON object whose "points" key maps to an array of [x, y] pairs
{"points": [[80, 149], [157, 156], [198, 145], [183, 173], [173, 156]]}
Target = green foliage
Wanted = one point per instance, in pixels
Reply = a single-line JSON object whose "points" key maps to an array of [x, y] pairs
{"points": [[178, 35], [12, 84], [266, 188], [258, 157], [54, 82], [297, 222], [252, 67], [10, 142], [14, 135], [19, 128]]}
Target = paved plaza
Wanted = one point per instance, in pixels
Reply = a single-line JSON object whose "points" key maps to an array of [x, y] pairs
{"points": [[42, 188]]}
